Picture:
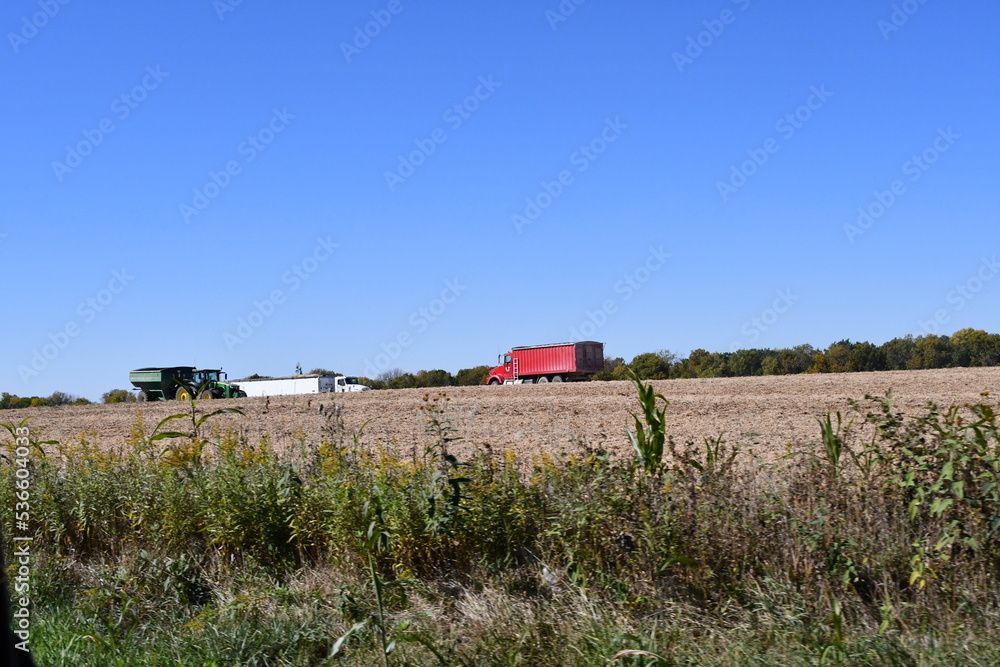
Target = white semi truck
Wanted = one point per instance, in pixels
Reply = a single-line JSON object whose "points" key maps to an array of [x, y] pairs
{"points": [[301, 384]]}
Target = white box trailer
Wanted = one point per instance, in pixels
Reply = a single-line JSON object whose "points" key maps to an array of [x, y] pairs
{"points": [[301, 384]]}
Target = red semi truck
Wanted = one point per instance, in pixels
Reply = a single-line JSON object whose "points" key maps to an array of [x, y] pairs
{"points": [[564, 362]]}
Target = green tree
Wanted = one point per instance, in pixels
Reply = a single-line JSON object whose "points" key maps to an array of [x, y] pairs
{"points": [[321, 371], [650, 366], [396, 378], [898, 352], [702, 364], [434, 378], [930, 351], [744, 363], [469, 377], [867, 357], [788, 361], [975, 347], [838, 357], [118, 396], [404, 381]]}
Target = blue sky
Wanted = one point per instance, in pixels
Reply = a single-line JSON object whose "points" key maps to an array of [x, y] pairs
{"points": [[253, 185]]}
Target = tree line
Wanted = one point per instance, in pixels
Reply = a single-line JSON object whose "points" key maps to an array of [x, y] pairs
{"points": [[13, 401], [964, 348]]}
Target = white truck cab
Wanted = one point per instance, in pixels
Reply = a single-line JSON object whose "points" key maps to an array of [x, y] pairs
{"points": [[345, 383]]}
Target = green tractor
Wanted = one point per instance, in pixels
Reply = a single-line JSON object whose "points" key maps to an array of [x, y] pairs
{"points": [[183, 383]]}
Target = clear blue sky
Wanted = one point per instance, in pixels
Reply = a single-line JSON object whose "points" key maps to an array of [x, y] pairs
{"points": [[218, 155]]}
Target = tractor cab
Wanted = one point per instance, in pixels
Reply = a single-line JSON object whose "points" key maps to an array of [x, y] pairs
{"points": [[205, 375]]}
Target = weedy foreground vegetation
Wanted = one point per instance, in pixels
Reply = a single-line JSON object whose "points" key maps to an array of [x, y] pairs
{"points": [[875, 545]]}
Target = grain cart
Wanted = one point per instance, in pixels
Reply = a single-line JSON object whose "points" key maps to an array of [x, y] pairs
{"points": [[182, 383], [538, 364]]}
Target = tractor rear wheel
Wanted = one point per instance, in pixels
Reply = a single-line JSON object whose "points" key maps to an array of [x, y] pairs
{"points": [[206, 395], [183, 394]]}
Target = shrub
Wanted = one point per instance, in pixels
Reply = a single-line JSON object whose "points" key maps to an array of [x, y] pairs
{"points": [[118, 396]]}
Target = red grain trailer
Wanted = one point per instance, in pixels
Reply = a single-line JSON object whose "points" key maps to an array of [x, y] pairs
{"points": [[569, 362]]}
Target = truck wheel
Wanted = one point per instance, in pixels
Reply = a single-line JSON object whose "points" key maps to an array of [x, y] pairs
{"points": [[557, 378], [494, 382], [183, 394], [542, 380]]}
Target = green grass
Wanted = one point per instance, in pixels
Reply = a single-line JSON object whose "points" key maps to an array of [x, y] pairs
{"points": [[877, 544]]}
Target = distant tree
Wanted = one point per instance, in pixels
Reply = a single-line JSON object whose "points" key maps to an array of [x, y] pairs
{"points": [[390, 375], [650, 366], [60, 398], [321, 371], [746, 362], [702, 364], [371, 382], [404, 381], [669, 358], [787, 361], [118, 396], [930, 351], [82, 401], [434, 378], [838, 357], [975, 347], [468, 377], [898, 352], [867, 357]]}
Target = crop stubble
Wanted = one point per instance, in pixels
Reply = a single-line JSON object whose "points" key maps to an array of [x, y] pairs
{"points": [[767, 412]]}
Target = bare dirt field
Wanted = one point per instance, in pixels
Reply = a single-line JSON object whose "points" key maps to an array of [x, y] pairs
{"points": [[768, 412]]}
